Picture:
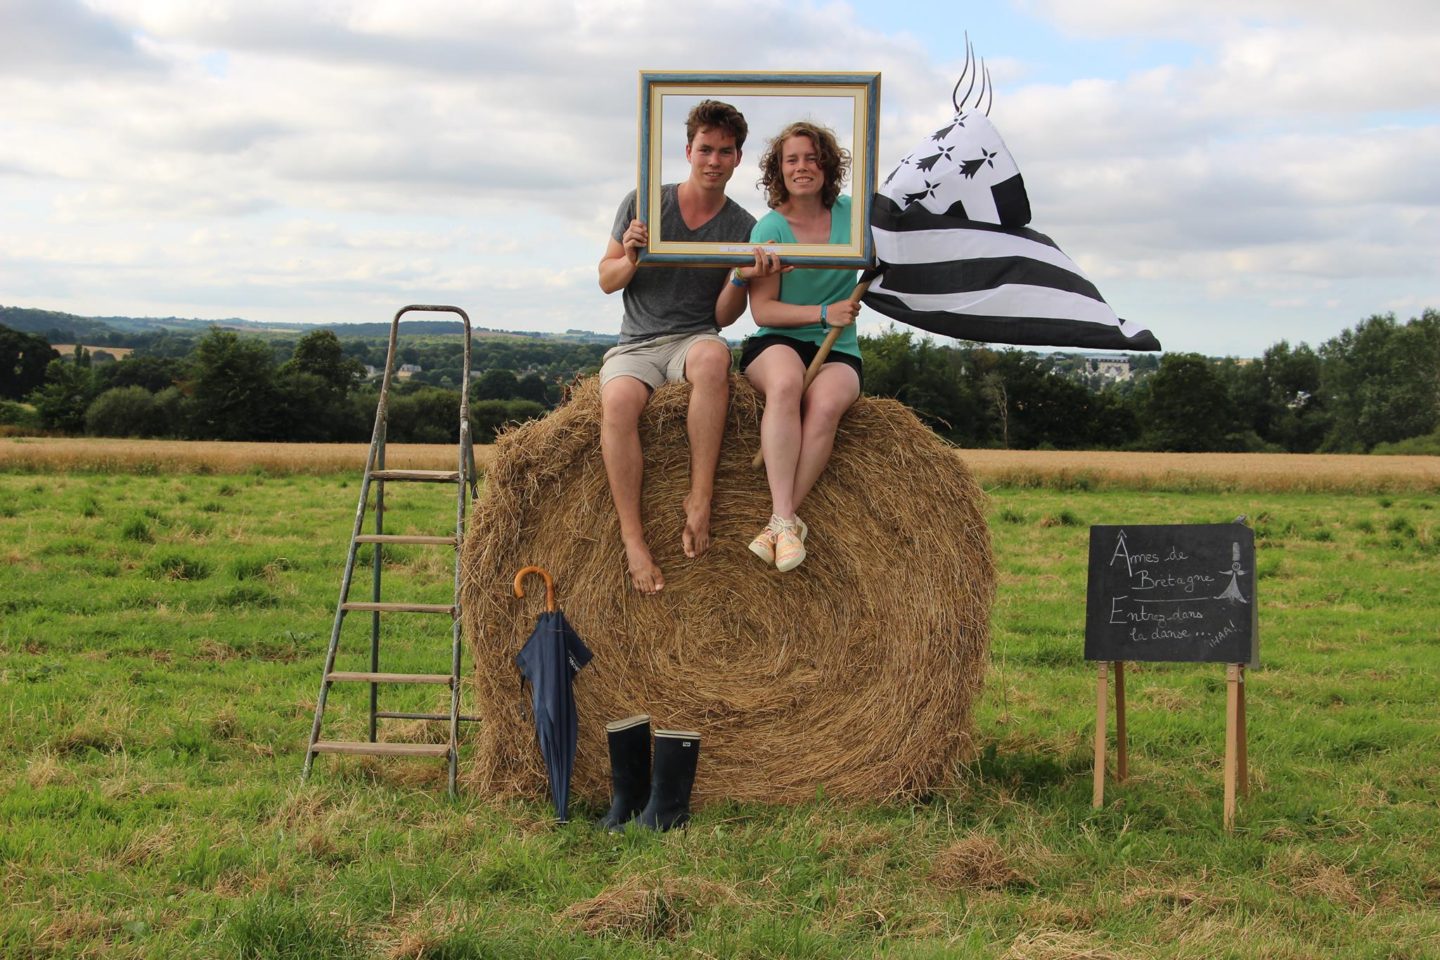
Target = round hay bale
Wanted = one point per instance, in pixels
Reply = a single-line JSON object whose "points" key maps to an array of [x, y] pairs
{"points": [[854, 673]]}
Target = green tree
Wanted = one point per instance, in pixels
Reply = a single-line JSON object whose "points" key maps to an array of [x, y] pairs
{"points": [[319, 353], [309, 409], [67, 391], [1279, 397], [495, 384], [122, 412], [532, 387], [18, 417], [941, 384], [1381, 381], [1113, 422], [488, 417], [1043, 409], [233, 389], [24, 358], [1186, 408], [426, 415], [170, 413], [312, 389], [168, 344], [141, 370]]}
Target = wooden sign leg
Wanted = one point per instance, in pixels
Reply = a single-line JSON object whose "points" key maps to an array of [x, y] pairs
{"points": [[1101, 699], [1232, 741], [1122, 749], [1243, 758]]}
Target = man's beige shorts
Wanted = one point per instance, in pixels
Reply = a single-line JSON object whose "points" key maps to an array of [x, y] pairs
{"points": [[656, 361]]}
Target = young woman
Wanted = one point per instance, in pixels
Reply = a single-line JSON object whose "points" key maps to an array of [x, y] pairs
{"points": [[802, 171]]}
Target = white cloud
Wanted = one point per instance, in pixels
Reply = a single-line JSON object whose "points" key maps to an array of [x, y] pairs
{"points": [[324, 161], [59, 39], [1191, 20]]}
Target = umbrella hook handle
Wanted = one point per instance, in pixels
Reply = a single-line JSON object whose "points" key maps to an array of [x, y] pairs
{"points": [[549, 584]]}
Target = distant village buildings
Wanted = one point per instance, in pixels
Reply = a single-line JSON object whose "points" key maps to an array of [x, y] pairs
{"points": [[1110, 367], [405, 371]]}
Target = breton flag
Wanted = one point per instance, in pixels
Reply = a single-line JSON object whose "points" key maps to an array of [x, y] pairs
{"points": [[956, 258]]}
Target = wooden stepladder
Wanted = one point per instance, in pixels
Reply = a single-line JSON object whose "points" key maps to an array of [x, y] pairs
{"points": [[463, 477], [1237, 777]]}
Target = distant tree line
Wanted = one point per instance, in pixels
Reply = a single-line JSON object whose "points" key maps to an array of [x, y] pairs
{"points": [[230, 387], [1373, 387]]}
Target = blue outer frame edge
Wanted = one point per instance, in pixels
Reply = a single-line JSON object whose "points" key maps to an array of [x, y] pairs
{"points": [[642, 196]]}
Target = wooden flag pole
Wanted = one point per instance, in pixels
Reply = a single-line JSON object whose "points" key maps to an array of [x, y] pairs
{"points": [[819, 361]]}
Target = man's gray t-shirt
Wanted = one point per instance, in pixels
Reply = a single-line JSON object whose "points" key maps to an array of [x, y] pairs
{"points": [[663, 300]]}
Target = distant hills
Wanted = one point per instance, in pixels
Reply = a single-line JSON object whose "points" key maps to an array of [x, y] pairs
{"points": [[57, 327]]}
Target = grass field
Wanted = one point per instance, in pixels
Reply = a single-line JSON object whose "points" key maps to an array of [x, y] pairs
{"points": [[161, 637]]}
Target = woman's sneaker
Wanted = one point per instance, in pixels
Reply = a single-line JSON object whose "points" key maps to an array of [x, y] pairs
{"points": [[763, 546], [790, 545]]}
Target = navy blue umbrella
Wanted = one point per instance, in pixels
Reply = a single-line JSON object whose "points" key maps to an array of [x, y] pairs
{"points": [[549, 660]]}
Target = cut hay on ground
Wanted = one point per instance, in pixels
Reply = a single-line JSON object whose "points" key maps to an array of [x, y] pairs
{"points": [[648, 908], [975, 862], [855, 673]]}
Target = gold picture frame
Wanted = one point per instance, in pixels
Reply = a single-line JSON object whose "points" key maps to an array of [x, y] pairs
{"points": [[848, 103]]}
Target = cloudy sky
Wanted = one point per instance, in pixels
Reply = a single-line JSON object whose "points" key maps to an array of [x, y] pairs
{"points": [[1229, 172]]}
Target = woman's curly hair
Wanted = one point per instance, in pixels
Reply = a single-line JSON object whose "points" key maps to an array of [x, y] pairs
{"points": [[834, 163]]}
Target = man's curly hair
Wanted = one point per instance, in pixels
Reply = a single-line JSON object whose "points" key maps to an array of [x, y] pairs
{"points": [[834, 163]]}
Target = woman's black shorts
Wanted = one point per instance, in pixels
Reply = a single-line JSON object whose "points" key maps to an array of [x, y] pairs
{"points": [[755, 346]]}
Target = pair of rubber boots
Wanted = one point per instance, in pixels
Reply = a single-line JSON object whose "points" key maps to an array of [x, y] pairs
{"points": [[658, 800]]}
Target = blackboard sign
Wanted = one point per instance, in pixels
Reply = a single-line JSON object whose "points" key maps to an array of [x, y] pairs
{"points": [[1172, 592]]}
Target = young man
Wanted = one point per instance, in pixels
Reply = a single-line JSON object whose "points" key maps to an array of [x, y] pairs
{"points": [[670, 331]]}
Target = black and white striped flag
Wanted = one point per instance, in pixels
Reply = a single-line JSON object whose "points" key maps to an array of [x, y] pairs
{"points": [[956, 258]]}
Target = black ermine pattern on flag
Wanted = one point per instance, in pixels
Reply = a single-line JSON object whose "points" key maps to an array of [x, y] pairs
{"points": [[956, 259], [964, 169]]}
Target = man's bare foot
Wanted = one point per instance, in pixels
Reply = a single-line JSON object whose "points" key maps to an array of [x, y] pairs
{"points": [[643, 572], [696, 538]]}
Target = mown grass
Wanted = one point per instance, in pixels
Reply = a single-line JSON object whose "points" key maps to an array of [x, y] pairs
{"points": [[161, 638]]}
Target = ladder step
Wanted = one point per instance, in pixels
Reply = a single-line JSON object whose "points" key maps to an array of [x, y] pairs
{"points": [[405, 538], [344, 675], [401, 607], [396, 715], [382, 749], [417, 476]]}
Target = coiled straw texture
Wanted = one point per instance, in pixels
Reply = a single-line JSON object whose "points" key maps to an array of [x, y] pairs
{"points": [[854, 673]]}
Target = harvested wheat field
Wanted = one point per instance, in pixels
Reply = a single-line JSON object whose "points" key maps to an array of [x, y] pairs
{"points": [[856, 672], [1086, 469], [112, 455], [1273, 472]]}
